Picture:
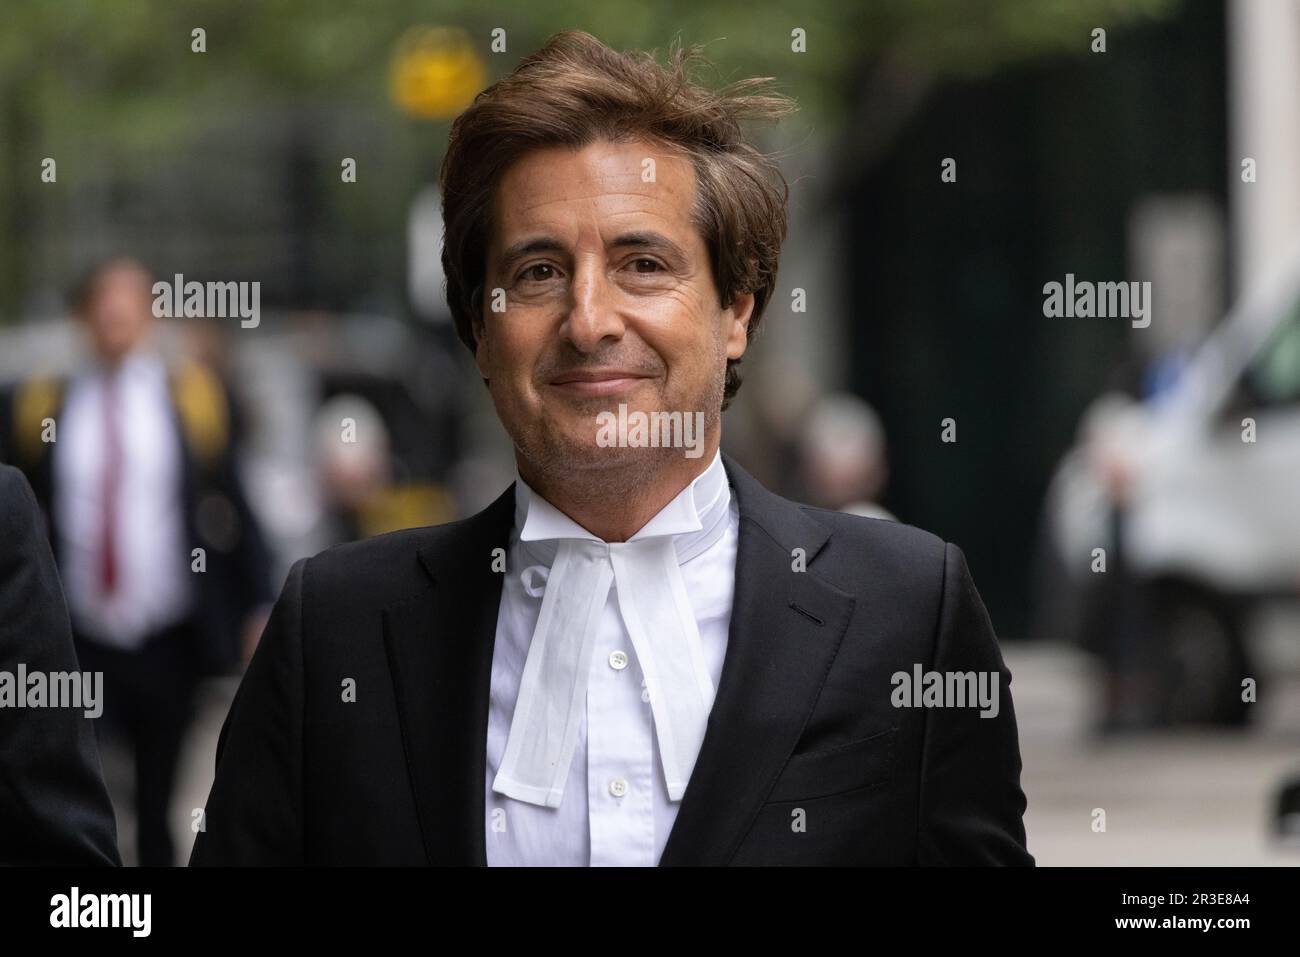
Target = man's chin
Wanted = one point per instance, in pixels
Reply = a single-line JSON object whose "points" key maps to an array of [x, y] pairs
{"points": [[585, 453], [601, 438], [589, 455]]}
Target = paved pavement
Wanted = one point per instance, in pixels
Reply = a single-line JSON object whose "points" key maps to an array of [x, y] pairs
{"points": [[1177, 798]]}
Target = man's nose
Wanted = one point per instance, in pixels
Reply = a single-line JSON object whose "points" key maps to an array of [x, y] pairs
{"points": [[593, 315]]}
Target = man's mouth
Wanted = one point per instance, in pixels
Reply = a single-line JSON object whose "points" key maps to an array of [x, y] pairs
{"points": [[598, 382]]}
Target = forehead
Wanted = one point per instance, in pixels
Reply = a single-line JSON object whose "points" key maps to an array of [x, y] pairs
{"points": [[602, 184], [119, 277]]}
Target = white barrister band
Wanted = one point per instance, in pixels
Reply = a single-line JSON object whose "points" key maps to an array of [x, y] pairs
{"points": [[654, 605], [553, 688], [652, 600]]}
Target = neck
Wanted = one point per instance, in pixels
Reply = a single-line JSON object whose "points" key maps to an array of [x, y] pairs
{"points": [[616, 503], [115, 359]]}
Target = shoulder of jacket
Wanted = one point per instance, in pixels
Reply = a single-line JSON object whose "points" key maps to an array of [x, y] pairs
{"points": [[201, 405], [36, 402], [381, 569], [880, 532], [904, 554]]}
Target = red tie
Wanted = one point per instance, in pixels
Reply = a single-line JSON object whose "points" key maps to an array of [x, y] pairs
{"points": [[108, 487]]}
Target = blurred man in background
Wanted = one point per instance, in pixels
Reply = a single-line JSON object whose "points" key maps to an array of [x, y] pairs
{"points": [[842, 458], [162, 561]]}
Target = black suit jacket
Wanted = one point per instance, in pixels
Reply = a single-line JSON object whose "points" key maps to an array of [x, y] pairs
{"points": [[54, 808], [802, 728]]}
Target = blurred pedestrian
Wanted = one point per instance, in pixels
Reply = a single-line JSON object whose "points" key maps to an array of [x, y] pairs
{"points": [[842, 459], [163, 564]]}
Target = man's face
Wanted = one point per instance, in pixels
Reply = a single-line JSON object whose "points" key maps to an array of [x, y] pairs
{"points": [[119, 311], [608, 298]]}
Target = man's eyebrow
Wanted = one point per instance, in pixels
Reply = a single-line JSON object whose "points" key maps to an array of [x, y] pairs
{"points": [[526, 247], [645, 239]]}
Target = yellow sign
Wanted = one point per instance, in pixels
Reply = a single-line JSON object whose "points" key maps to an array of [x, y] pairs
{"points": [[436, 72]]}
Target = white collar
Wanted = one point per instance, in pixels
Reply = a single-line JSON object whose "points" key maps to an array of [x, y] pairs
{"points": [[140, 364], [582, 572], [694, 517]]}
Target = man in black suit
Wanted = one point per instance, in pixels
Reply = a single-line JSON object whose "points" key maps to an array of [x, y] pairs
{"points": [[54, 808], [636, 654]]}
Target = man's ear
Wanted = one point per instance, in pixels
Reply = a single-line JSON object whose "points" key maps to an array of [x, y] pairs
{"points": [[736, 317], [480, 347]]}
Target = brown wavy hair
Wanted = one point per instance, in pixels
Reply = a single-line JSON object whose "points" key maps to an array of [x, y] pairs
{"points": [[576, 90]]}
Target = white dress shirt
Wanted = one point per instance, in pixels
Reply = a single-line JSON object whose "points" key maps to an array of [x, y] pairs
{"points": [[616, 809], [152, 591]]}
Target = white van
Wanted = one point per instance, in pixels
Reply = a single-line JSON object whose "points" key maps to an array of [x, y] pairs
{"points": [[1194, 496]]}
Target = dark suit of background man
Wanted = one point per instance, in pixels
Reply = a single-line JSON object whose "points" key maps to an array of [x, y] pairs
{"points": [[54, 808], [140, 472], [636, 655]]}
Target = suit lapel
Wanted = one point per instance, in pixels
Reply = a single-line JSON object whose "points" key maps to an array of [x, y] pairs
{"points": [[439, 646], [786, 627]]}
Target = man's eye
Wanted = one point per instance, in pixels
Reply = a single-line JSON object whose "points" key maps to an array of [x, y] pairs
{"points": [[531, 274], [652, 263]]}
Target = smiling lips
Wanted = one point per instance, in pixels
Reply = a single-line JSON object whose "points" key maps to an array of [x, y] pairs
{"points": [[597, 381]]}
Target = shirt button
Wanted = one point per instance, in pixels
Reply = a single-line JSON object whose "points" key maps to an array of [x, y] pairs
{"points": [[618, 660], [618, 787]]}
